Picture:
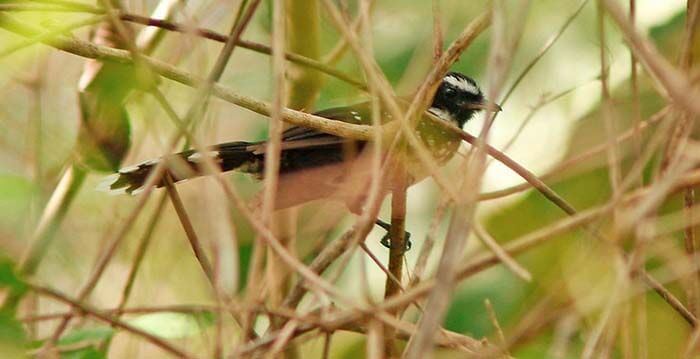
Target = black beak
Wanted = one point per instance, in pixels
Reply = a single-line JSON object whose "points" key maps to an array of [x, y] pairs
{"points": [[492, 106], [484, 105]]}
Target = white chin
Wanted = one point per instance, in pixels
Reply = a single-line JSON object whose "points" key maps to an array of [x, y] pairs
{"points": [[442, 114]]}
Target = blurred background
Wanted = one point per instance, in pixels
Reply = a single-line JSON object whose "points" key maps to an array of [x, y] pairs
{"points": [[553, 115]]}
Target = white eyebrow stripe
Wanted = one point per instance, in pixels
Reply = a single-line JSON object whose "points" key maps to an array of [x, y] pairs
{"points": [[462, 84]]}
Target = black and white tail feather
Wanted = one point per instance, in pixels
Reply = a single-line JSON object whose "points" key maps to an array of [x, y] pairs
{"points": [[240, 156]]}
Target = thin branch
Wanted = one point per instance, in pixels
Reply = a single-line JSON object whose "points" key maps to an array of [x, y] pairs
{"points": [[48, 8], [496, 326], [462, 219], [634, 83], [438, 36], [50, 34], [678, 85], [398, 242], [77, 305], [192, 237], [514, 247], [320, 263], [141, 253], [89, 50], [276, 273], [543, 51], [250, 45], [580, 158], [502, 255]]}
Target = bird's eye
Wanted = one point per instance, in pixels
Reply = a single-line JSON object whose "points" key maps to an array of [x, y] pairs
{"points": [[450, 92]]}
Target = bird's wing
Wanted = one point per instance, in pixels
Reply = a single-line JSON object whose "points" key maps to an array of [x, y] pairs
{"points": [[358, 114], [297, 137]]}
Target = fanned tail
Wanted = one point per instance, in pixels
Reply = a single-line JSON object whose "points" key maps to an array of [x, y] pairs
{"points": [[185, 165]]}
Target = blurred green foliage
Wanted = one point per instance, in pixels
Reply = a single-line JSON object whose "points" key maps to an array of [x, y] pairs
{"points": [[13, 336]]}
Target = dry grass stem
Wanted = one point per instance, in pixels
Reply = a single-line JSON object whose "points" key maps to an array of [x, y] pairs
{"points": [[502, 255], [494, 322], [187, 226], [155, 340]]}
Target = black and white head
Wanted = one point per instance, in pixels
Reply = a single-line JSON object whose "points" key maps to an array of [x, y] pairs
{"points": [[458, 98]]}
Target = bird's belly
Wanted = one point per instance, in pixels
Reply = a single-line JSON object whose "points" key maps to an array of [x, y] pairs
{"points": [[349, 180]]}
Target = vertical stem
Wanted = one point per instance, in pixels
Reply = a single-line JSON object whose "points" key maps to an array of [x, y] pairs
{"points": [[686, 62], [462, 219], [397, 249], [613, 163], [634, 83], [397, 234], [297, 27], [636, 313], [690, 248], [438, 38], [303, 23], [277, 273], [327, 345]]}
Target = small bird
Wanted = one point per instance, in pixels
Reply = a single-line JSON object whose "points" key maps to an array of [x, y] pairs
{"points": [[317, 165]]}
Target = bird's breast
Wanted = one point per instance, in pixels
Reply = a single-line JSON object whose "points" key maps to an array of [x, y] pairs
{"points": [[439, 142]]}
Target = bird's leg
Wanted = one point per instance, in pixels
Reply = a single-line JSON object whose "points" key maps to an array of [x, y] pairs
{"points": [[355, 205], [386, 240]]}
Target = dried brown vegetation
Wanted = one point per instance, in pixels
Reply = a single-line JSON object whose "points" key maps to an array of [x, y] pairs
{"points": [[599, 255]]}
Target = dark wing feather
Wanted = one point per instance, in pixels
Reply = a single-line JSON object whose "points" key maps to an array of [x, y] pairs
{"points": [[304, 148], [358, 115]]}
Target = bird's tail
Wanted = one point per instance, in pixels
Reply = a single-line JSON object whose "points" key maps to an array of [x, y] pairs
{"points": [[185, 165]]}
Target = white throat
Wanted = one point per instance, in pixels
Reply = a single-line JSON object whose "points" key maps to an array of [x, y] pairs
{"points": [[443, 115]]}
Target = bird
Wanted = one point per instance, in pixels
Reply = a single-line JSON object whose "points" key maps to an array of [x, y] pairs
{"points": [[316, 165]]}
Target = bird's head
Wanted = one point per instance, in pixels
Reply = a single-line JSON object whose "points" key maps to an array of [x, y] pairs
{"points": [[458, 98]]}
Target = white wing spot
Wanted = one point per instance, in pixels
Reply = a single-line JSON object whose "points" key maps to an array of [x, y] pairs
{"points": [[136, 167], [197, 157], [152, 162], [129, 169]]}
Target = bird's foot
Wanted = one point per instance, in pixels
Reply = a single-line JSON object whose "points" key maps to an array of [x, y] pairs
{"points": [[386, 240]]}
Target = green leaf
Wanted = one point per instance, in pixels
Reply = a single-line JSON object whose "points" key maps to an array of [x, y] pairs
{"points": [[171, 325], [12, 336], [87, 334], [85, 353], [8, 277]]}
